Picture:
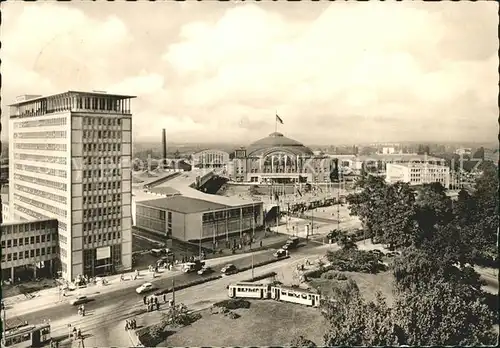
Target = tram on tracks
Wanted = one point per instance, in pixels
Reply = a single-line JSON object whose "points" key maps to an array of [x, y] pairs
{"points": [[26, 336], [277, 293]]}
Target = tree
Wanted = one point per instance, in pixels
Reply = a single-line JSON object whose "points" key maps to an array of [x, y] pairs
{"points": [[346, 243], [357, 323], [434, 209], [443, 314], [479, 154]]}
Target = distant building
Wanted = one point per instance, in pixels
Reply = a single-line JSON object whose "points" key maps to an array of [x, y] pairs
{"points": [[464, 151], [192, 219], [388, 150], [29, 249], [70, 158], [418, 173], [210, 158], [381, 161]]}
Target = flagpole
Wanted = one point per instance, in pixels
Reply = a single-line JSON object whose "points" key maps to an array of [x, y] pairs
{"points": [[276, 122]]}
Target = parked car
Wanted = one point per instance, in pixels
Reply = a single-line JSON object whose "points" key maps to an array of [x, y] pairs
{"points": [[146, 287], [280, 253], [205, 270], [79, 300], [229, 269]]}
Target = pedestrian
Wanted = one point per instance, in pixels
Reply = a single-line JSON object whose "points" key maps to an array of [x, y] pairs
{"points": [[134, 324], [79, 333], [126, 325], [164, 298], [144, 299], [157, 306], [260, 243]]}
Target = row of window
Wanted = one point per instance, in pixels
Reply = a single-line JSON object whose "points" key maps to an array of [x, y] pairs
{"points": [[40, 205], [42, 182], [99, 200], [154, 225], [40, 158], [45, 147], [63, 239], [29, 212], [29, 254], [89, 134], [230, 213], [102, 237], [29, 227], [59, 121], [150, 212], [101, 147], [41, 170], [41, 135], [12, 243], [87, 213], [39, 193], [102, 186], [89, 226], [101, 121], [93, 103], [98, 173]]}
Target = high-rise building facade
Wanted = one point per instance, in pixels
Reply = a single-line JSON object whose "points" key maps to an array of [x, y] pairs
{"points": [[70, 159]]}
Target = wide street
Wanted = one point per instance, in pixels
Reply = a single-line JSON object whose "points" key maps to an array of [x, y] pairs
{"points": [[103, 324]]}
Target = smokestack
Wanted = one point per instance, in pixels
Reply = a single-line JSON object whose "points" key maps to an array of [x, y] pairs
{"points": [[164, 146]]}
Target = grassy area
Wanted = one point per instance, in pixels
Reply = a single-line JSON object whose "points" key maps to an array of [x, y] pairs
{"points": [[265, 323]]}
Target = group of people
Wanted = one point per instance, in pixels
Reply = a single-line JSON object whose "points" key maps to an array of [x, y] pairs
{"points": [[81, 310], [130, 324], [153, 302]]}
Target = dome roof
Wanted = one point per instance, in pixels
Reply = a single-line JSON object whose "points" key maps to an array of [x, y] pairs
{"points": [[275, 141]]}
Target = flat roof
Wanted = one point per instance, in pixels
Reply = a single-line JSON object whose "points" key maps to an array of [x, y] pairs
{"points": [[165, 190], [419, 165], [405, 156], [183, 204], [94, 93]]}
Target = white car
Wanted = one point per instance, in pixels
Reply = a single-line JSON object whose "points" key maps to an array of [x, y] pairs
{"points": [[145, 288], [80, 299]]}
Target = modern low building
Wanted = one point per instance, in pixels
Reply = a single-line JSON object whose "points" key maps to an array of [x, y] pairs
{"points": [[380, 161], [191, 219], [70, 159], [29, 249], [418, 173]]}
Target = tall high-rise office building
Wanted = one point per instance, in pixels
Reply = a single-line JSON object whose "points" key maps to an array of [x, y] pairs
{"points": [[70, 159]]}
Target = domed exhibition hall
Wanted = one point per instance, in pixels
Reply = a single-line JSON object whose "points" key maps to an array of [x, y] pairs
{"points": [[273, 159]]}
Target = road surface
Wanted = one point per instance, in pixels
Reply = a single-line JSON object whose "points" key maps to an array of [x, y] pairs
{"points": [[104, 318]]}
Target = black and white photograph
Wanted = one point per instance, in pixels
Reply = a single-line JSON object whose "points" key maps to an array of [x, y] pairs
{"points": [[249, 173]]}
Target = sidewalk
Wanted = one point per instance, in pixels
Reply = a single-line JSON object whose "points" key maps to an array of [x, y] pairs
{"points": [[47, 298]]}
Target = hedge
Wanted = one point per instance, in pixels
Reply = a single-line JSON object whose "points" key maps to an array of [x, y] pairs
{"points": [[260, 264], [263, 276], [188, 284]]}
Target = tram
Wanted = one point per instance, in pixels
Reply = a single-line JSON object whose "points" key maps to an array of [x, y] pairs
{"points": [[277, 293], [26, 336]]}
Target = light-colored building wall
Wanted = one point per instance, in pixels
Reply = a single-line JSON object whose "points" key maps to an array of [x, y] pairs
{"points": [[28, 243], [70, 160], [418, 174]]}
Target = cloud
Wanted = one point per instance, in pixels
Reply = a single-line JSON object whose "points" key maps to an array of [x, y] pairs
{"points": [[369, 59]]}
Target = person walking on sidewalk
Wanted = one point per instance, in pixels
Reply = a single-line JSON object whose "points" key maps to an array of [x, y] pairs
{"points": [[144, 299], [164, 298]]}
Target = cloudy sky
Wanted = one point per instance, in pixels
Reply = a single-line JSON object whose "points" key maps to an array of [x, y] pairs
{"points": [[335, 72]]}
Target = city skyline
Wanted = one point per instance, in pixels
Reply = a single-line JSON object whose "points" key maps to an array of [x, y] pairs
{"points": [[219, 71]]}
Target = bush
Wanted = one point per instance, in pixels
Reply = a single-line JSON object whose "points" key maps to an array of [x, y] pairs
{"points": [[179, 316], [233, 304], [264, 276], [355, 261], [301, 341]]}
